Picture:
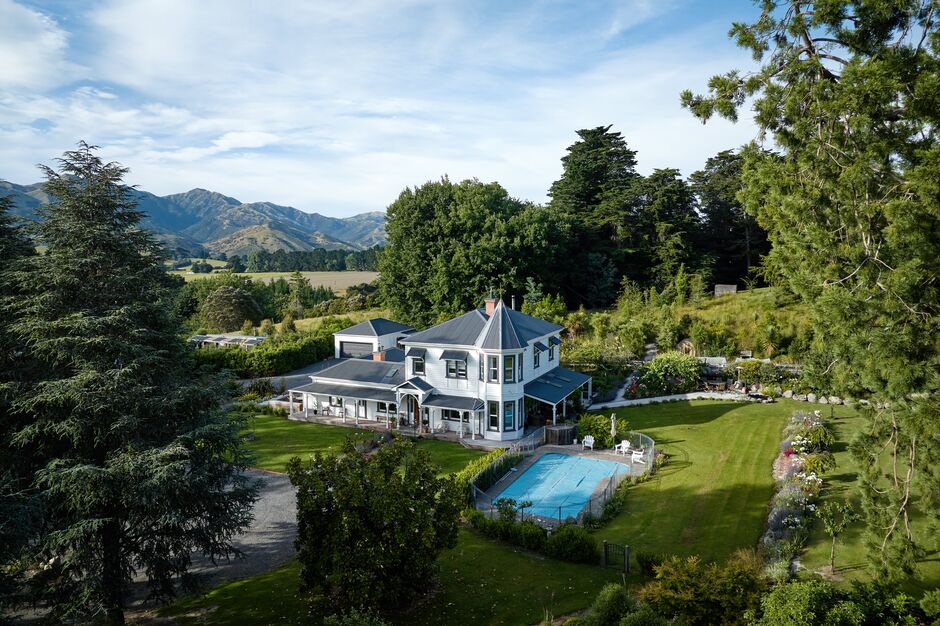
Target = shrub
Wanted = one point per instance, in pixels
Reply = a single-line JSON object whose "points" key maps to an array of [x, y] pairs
{"points": [[355, 617], [644, 616], [819, 463], [648, 562], [261, 387], [530, 536], [467, 474], [598, 426], [611, 604], [572, 543], [671, 372]]}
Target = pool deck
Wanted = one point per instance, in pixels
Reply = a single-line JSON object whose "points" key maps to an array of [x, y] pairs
{"points": [[633, 469]]}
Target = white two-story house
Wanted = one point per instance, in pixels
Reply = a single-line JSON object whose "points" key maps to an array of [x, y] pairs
{"points": [[490, 373]]}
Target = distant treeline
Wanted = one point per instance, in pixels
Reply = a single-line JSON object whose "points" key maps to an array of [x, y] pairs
{"points": [[317, 260]]}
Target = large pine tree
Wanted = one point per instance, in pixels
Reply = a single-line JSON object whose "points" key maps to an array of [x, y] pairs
{"points": [[137, 466], [850, 92]]}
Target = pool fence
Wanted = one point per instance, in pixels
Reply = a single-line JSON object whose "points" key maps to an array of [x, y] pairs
{"points": [[578, 514]]}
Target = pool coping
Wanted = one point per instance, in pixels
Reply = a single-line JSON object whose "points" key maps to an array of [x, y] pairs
{"points": [[570, 450]]}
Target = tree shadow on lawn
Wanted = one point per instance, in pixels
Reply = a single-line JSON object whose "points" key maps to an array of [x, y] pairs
{"points": [[681, 413], [708, 521]]}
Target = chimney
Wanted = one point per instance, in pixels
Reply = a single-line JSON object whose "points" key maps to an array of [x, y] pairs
{"points": [[378, 356], [490, 304]]}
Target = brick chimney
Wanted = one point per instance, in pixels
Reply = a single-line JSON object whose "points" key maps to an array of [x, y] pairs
{"points": [[490, 304], [378, 356]]}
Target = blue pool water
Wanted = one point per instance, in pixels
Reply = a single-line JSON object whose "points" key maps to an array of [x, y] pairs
{"points": [[560, 485]]}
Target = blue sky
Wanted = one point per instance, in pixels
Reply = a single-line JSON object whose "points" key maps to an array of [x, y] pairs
{"points": [[336, 107]]}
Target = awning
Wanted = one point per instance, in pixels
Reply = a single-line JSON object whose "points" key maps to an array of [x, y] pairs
{"points": [[416, 383], [556, 385], [454, 402], [346, 391], [454, 355], [555, 341], [539, 346], [418, 353]]}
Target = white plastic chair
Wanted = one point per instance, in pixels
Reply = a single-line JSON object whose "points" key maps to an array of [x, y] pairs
{"points": [[623, 447], [637, 456], [587, 442]]}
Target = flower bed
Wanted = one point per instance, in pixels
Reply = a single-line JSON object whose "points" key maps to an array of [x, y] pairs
{"points": [[803, 451]]}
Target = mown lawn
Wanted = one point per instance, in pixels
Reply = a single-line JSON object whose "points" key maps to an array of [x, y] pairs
{"points": [[480, 582], [711, 498], [275, 440], [337, 281], [851, 553]]}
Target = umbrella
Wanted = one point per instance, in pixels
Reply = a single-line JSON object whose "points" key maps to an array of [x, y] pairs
{"points": [[613, 428]]}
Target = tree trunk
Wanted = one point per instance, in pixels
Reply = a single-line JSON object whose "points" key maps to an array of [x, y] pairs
{"points": [[111, 576], [832, 555]]}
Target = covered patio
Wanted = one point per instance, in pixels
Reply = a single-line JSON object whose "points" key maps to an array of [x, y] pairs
{"points": [[553, 389]]}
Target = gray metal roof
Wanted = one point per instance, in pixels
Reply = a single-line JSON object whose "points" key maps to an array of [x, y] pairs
{"points": [[346, 391], [454, 402], [376, 328], [500, 333], [366, 371], [460, 331], [455, 355], [417, 383], [554, 386], [392, 355]]}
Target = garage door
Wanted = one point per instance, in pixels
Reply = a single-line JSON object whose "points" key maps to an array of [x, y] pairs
{"points": [[353, 349]]}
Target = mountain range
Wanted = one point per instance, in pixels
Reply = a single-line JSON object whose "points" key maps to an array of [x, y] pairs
{"points": [[200, 222]]}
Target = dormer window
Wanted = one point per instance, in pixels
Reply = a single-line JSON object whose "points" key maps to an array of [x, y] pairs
{"points": [[417, 366]]}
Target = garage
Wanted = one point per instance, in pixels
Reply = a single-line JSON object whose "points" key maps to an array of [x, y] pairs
{"points": [[354, 349]]}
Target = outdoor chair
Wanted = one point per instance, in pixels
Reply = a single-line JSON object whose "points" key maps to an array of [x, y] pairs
{"points": [[623, 447], [587, 442], [637, 456]]}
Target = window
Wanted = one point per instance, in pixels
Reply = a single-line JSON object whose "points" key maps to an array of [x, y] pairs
{"points": [[536, 354], [454, 415], [336, 401], [551, 353], [417, 366], [494, 369], [482, 368], [509, 366], [494, 416], [456, 369], [519, 361], [509, 422], [385, 407]]}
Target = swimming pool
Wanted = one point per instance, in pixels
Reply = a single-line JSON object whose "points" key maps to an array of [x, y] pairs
{"points": [[560, 485]]}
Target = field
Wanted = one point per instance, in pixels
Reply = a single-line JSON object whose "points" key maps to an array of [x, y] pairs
{"points": [[337, 281], [710, 499]]}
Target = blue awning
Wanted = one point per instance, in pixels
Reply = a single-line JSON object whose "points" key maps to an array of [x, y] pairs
{"points": [[539, 346], [555, 341], [454, 355], [453, 402], [417, 353], [554, 386]]}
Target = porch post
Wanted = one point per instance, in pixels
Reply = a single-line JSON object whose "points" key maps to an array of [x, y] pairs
{"points": [[342, 407], [554, 411], [590, 391], [290, 403], [356, 404], [564, 407]]}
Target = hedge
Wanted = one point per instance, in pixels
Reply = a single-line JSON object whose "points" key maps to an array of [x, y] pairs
{"points": [[273, 357]]}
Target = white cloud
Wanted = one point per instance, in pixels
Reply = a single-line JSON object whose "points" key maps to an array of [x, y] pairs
{"points": [[337, 106], [32, 49]]}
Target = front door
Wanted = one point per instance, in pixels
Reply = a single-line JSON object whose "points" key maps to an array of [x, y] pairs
{"points": [[360, 408], [412, 404]]}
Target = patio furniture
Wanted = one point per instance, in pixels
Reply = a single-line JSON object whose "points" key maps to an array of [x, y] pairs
{"points": [[622, 448], [587, 442], [637, 456]]}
